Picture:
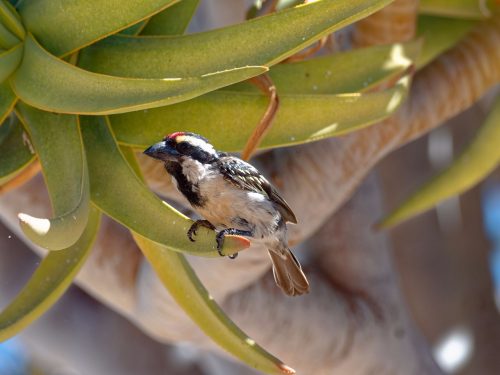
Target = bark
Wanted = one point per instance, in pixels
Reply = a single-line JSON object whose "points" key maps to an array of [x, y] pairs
{"points": [[355, 295]]}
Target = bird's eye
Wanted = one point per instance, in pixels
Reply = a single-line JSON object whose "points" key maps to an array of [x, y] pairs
{"points": [[183, 147]]}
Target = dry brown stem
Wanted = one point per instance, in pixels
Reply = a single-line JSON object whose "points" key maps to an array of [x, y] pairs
{"points": [[24, 176], [265, 84], [316, 179]]}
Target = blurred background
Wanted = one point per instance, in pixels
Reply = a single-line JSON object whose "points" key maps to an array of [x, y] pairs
{"points": [[448, 263]]}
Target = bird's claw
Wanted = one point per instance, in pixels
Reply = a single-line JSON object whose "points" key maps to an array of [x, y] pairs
{"points": [[194, 227], [191, 232], [220, 239], [220, 242]]}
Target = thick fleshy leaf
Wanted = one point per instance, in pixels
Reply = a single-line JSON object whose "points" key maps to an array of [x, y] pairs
{"points": [[58, 143], [173, 20], [7, 39], [64, 26], [472, 9], [187, 290], [118, 192], [9, 60], [10, 18], [51, 84], [440, 34], [50, 280], [7, 101], [134, 29], [262, 41], [227, 118], [16, 151], [478, 159], [131, 159], [353, 71]]}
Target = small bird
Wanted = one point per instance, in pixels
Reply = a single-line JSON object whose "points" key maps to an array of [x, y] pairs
{"points": [[233, 198]]}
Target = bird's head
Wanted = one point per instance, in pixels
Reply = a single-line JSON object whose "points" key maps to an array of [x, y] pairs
{"points": [[180, 145]]}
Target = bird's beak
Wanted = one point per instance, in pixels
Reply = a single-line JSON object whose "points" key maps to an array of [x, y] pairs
{"points": [[162, 151]]}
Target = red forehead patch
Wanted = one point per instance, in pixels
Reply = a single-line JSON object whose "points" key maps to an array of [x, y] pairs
{"points": [[174, 135]]}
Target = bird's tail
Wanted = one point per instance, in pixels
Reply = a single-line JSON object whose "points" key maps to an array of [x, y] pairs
{"points": [[288, 273]]}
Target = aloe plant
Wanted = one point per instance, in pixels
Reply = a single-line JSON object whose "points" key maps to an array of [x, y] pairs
{"points": [[87, 83], [449, 22]]}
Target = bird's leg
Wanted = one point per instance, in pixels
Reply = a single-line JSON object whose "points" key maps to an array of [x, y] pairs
{"points": [[196, 225], [223, 233]]}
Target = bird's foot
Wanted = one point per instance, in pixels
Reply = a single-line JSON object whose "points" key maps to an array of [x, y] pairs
{"points": [[194, 227], [223, 233]]}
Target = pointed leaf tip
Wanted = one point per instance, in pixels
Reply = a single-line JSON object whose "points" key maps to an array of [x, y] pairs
{"points": [[234, 244], [472, 165], [286, 369], [30, 223]]}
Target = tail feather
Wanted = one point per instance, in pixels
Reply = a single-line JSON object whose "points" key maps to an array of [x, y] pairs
{"points": [[288, 273]]}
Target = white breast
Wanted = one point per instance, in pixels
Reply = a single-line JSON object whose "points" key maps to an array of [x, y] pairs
{"points": [[228, 206]]}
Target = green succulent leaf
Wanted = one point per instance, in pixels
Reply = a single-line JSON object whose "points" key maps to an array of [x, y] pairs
{"points": [[7, 101], [201, 308], [134, 29], [265, 41], [10, 18], [9, 60], [131, 159], [65, 26], [50, 280], [7, 39], [283, 4], [440, 34], [51, 84], [173, 20], [118, 192], [478, 159], [227, 118], [16, 151], [187, 290], [471, 9], [58, 143], [352, 71]]}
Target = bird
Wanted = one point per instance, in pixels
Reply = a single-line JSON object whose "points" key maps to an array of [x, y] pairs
{"points": [[233, 198]]}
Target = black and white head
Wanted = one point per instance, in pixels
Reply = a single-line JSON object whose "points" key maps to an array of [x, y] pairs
{"points": [[183, 146]]}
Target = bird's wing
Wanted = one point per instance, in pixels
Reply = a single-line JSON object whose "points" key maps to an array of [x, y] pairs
{"points": [[283, 207], [247, 177]]}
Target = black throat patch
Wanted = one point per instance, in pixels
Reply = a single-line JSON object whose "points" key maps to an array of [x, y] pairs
{"points": [[187, 188]]}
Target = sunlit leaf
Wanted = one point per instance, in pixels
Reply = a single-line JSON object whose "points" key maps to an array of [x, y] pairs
{"points": [[187, 290], [9, 60], [58, 143], [262, 41], [51, 84], [352, 71], [478, 159], [227, 118], [50, 280], [64, 26], [15, 149], [173, 20], [118, 192], [440, 34], [472, 9]]}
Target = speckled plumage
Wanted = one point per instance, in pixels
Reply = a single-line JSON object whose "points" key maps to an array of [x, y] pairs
{"points": [[232, 194]]}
